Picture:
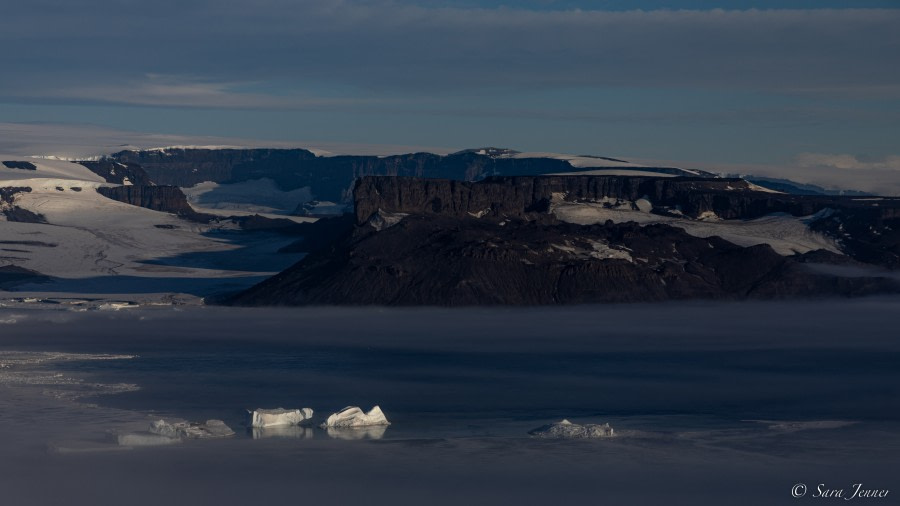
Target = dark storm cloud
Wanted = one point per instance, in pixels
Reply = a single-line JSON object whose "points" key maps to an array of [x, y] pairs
{"points": [[276, 53]]}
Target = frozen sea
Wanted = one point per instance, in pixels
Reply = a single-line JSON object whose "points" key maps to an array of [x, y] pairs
{"points": [[712, 403]]}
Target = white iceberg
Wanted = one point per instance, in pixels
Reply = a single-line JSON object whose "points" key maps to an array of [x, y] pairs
{"points": [[352, 416], [279, 417], [209, 430], [565, 429]]}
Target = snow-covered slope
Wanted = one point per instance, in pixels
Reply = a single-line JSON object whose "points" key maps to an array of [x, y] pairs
{"points": [[92, 244], [786, 234], [45, 168]]}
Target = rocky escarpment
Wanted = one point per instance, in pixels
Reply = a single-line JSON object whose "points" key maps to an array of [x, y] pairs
{"points": [[439, 242], [519, 196], [330, 178], [118, 173], [438, 260], [11, 276], [13, 164], [168, 199]]}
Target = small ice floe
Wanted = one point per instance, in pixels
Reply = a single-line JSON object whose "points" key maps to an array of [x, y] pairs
{"points": [[279, 417], [565, 429], [352, 416], [283, 431], [145, 439], [116, 306], [162, 432], [356, 433], [209, 430]]}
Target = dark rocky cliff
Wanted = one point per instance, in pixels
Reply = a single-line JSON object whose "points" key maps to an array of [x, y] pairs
{"points": [[330, 178], [518, 196], [13, 212], [437, 260], [417, 242], [14, 164], [168, 199], [12, 276], [118, 173]]}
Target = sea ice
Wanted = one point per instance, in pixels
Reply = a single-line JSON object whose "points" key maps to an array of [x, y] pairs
{"points": [[352, 416], [565, 429], [210, 429], [279, 417], [145, 439]]}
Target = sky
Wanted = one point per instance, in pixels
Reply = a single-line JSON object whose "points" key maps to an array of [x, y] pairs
{"points": [[802, 89]]}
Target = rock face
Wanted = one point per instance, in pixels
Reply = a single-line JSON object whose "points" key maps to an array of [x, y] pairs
{"points": [[19, 165], [330, 178], [12, 275], [168, 199], [436, 260], [12, 212], [118, 173], [518, 196], [427, 242]]}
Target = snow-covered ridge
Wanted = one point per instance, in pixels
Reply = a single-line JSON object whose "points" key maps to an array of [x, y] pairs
{"points": [[50, 167]]}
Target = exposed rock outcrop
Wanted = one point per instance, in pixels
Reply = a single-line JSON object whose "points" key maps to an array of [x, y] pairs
{"points": [[13, 275], [12, 212], [440, 242], [168, 199], [331, 178], [14, 164], [118, 173], [438, 260], [519, 196]]}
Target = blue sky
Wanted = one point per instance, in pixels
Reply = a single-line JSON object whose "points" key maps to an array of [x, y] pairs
{"points": [[715, 84]]}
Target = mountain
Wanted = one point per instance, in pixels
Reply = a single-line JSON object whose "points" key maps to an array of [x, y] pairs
{"points": [[330, 178], [209, 221], [579, 239]]}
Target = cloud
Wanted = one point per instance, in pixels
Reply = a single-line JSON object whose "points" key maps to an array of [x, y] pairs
{"points": [[850, 162], [328, 47], [879, 176]]}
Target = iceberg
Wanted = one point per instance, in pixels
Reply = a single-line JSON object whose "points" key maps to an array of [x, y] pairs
{"points": [[209, 430], [352, 416], [279, 417], [565, 429]]}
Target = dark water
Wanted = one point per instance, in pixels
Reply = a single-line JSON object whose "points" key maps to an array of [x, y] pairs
{"points": [[695, 391]]}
